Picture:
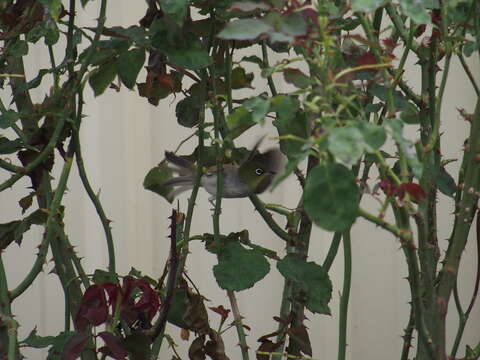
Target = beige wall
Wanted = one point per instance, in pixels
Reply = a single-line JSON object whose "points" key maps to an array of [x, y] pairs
{"points": [[124, 136]]}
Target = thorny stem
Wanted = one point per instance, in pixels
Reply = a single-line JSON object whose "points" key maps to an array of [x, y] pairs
{"points": [[238, 324], [6, 317], [407, 337], [270, 82]]}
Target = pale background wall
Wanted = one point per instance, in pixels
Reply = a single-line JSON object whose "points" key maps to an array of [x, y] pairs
{"points": [[124, 136]]}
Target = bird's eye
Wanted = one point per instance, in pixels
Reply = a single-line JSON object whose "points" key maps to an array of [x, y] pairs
{"points": [[258, 171]]}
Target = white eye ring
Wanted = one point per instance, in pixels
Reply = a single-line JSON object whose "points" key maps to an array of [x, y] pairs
{"points": [[259, 172]]}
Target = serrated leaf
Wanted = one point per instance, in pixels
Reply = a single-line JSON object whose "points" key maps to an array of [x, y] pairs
{"points": [[238, 268], [176, 9], [366, 5], [374, 136], [380, 92], [54, 7], [8, 118], [446, 183], [291, 120], [258, 107], [296, 78], [193, 59], [10, 146], [17, 49], [101, 276], [36, 341], [416, 10], [313, 278], [410, 114], [346, 144], [244, 29], [138, 345], [239, 121], [331, 197], [154, 181], [188, 111], [129, 65], [102, 77], [14, 230], [240, 78], [406, 146]]}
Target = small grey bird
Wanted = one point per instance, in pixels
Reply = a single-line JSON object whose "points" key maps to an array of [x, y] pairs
{"points": [[252, 176]]}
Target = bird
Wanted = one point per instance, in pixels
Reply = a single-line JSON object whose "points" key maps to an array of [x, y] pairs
{"points": [[252, 176]]}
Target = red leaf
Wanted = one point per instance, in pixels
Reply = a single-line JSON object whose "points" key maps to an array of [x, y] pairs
{"points": [[74, 346], [93, 308], [221, 311], [367, 59], [388, 188], [113, 344], [414, 190]]}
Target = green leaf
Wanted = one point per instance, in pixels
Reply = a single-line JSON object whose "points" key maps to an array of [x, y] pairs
{"points": [[331, 197], [240, 79], [84, 2], [52, 34], [296, 78], [313, 279], [366, 5], [188, 111], [381, 92], [406, 146], [138, 346], [259, 106], [54, 7], [193, 59], [129, 65], [14, 230], [8, 118], [239, 121], [101, 276], [470, 47], [17, 49], [346, 144], [374, 136], [10, 146], [416, 10], [176, 9], [60, 345], [36, 341], [238, 268], [290, 121], [155, 178], [410, 115], [102, 77], [244, 29], [446, 183]]}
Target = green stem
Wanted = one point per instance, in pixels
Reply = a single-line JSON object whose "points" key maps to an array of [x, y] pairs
{"points": [[468, 72], [407, 337], [267, 217], [95, 201], [402, 234], [400, 26], [6, 313], [35, 270], [347, 280], [332, 251], [238, 324], [270, 82], [10, 167]]}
